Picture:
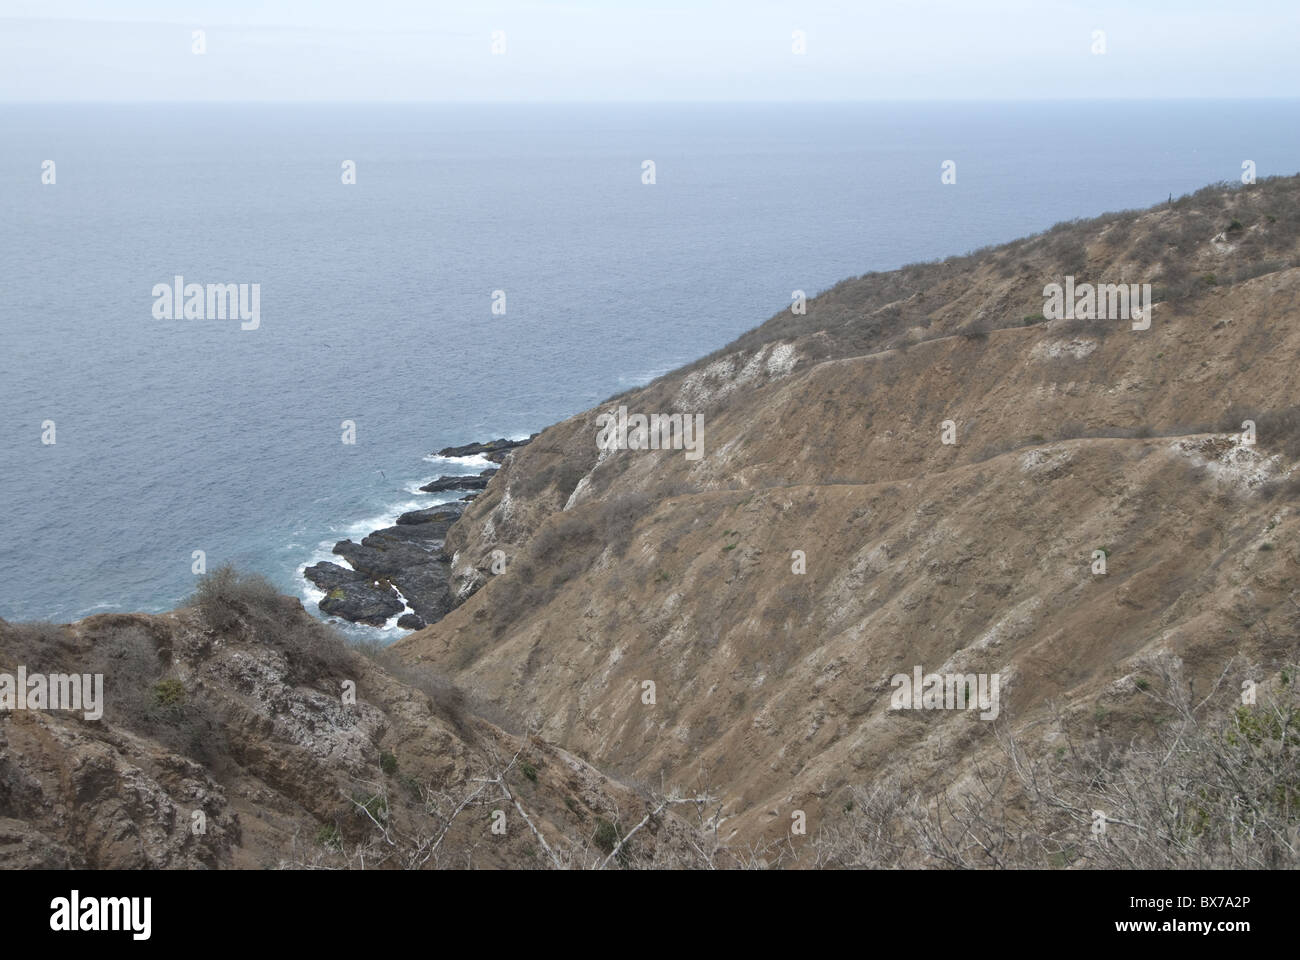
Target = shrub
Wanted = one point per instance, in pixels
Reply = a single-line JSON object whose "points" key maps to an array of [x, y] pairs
{"points": [[606, 836], [169, 717], [225, 597], [562, 473], [1276, 430], [976, 329], [40, 642], [376, 806], [1287, 488], [328, 836], [169, 693], [230, 602], [1210, 789]]}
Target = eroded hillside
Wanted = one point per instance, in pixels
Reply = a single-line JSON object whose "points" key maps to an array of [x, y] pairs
{"points": [[242, 733], [823, 433], [664, 660]]}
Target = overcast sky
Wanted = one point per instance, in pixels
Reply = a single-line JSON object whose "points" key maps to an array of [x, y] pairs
{"points": [[643, 50]]}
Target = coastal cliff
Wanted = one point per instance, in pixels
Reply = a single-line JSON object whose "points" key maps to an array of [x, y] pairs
{"points": [[823, 447], [648, 657]]}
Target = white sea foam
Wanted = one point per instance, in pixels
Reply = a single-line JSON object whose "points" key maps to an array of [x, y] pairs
{"points": [[363, 528], [312, 595], [476, 462], [391, 623], [641, 378], [89, 611]]}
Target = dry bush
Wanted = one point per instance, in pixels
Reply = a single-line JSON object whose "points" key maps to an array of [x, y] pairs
{"points": [[1280, 430], [246, 604], [226, 599], [39, 645], [562, 474], [1276, 431], [1208, 788], [1285, 489], [453, 703], [1264, 267], [561, 551], [851, 317], [446, 699], [592, 526], [139, 694], [977, 329]]}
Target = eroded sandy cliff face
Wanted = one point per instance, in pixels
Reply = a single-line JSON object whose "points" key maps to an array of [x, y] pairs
{"points": [[822, 434]]}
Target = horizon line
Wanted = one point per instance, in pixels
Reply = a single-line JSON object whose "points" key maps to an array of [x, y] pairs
{"points": [[639, 101]]}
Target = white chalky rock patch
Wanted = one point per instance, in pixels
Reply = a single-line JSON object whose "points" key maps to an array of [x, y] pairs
{"points": [[721, 376], [1221, 244], [1076, 349], [581, 488], [1044, 458], [1231, 462], [782, 360]]}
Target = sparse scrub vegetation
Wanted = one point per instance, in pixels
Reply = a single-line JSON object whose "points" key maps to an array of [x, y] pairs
{"points": [[328, 836], [138, 694], [226, 598], [230, 602], [1210, 788], [448, 700], [977, 329], [854, 320]]}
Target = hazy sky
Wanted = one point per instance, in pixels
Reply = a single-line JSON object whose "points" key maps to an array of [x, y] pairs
{"points": [[644, 50]]}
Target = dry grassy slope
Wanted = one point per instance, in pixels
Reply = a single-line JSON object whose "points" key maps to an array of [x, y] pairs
{"points": [[271, 761], [822, 435]]}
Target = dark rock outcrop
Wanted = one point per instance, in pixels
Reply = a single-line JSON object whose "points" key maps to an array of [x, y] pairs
{"points": [[328, 575], [444, 483], [407, 555], [443, 515], [363, 601], [494, 450]]}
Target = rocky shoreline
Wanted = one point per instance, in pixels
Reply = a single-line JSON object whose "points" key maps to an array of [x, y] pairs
{"points": [[404, 565]]}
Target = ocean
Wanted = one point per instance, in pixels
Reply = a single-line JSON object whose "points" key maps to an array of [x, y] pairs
{"points": [[181, 435]]}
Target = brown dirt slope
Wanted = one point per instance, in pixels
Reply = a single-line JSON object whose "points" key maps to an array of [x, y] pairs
{"points": [[822, 435]]}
